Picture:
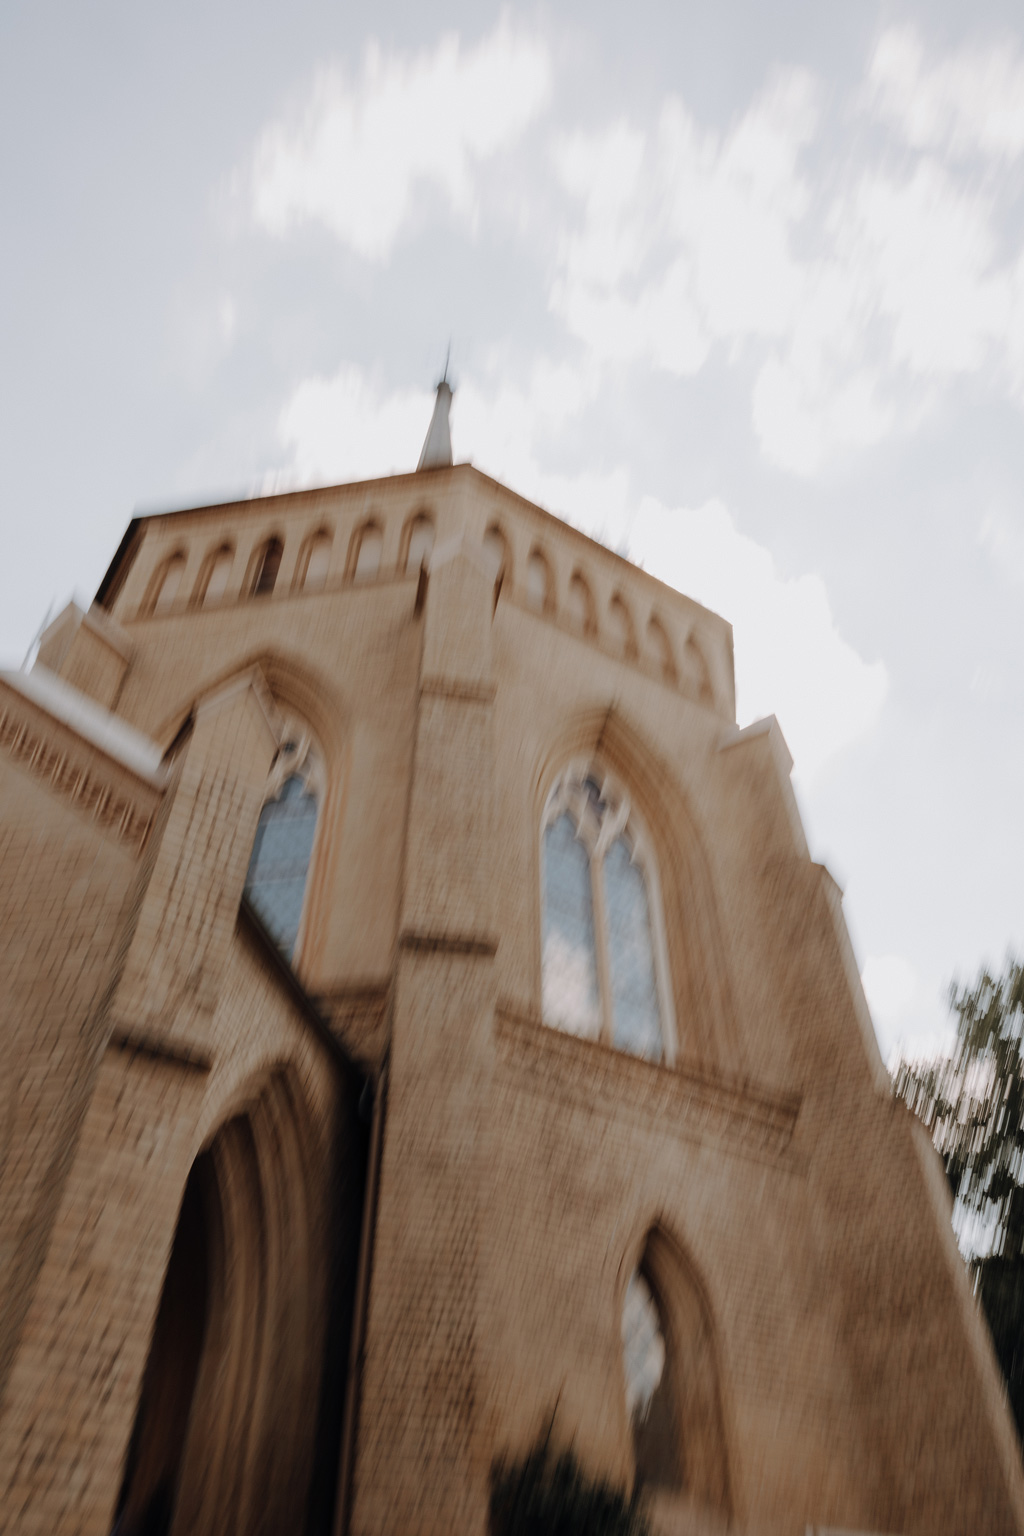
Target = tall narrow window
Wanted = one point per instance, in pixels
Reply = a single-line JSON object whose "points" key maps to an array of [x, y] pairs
{"points": [[419, 542], [163, 588], [369, 545], [661, 647], [213, 578], [265, 568], [649, 1404], [603, 956], [315, 561], [582, 611], [538, 583], [570, 957], [670, 1370], [283, 846]]}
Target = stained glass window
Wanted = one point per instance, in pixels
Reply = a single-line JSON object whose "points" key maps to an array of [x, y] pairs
{"points": [[279, 864], [635, 1023], [570, 961], [603, 967]]}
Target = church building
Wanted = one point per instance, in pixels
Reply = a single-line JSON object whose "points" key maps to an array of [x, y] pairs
{"points": [[426, 1032]]}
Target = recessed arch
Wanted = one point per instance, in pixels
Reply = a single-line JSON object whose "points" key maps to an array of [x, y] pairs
{"points": [[264, 567], [365, 551], [698, 958], [540, 585], [417, 542], [582, 610], [164, 584], [672, 1387], [622, 626], [214, 574], [314, 561], [497, 547], [222, 1444], [304, 692], [660, 648], [698, 674]]}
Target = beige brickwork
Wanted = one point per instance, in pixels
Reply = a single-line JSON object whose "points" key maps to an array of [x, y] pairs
{"points": [[396, 1309]]}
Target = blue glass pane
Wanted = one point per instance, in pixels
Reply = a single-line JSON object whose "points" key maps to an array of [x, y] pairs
{"points": [[570, 999], [276, 882], [636, 1026]]}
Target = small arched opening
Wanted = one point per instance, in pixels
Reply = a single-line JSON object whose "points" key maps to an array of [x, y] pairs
{"points": [[213, 577], [265, 567], [672, 1386], [540, 589], [582, 609], [365, 552], [698, 674], [417, 542], [314, 562], [623, 628], [660, 648], [165, 584]]}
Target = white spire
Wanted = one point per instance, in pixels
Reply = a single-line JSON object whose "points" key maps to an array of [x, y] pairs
{"points": [[437, 446]]}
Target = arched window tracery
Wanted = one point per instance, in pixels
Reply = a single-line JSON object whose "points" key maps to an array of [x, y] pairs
{"points": [[604, 962], [283, 846]]}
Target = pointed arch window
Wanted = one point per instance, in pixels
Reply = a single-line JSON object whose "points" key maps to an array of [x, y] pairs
{"points": [[650, 1388], [604, 965], [163, 588], [314, 562], [419, 541], [213, 578], [283, 846], [671, 1378], [266, 565]]}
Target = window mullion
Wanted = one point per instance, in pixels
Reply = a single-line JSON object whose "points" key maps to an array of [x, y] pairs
{"points": [[601, 942]]}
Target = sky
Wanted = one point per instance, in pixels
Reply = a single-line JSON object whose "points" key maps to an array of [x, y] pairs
{"points": [[738, 288]]}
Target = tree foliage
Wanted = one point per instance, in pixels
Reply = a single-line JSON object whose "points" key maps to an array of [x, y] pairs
{"points": [[551, 1495], [973, 1104]]}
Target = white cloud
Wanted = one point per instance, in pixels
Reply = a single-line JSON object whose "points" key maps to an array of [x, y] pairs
{"points": [[685, 234], [355, 157], [1002, 537], [349, 428], [972, 101], [890, 985], [859, 286], [911, 1020], [791, 660]]}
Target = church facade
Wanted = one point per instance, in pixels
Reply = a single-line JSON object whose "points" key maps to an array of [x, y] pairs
{"points": [[426, 1031]]}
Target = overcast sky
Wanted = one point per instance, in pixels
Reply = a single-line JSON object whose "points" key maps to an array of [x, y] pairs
{"points": [[738, 287]]}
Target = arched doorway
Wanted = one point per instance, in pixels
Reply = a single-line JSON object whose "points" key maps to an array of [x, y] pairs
{"points": [[146, 1502], [226, 1424]]}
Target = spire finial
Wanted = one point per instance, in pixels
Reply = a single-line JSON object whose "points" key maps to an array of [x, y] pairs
{"points": [[437, 445]]}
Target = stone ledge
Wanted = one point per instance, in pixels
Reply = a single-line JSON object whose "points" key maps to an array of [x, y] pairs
{"points": [[692, 1103]]}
